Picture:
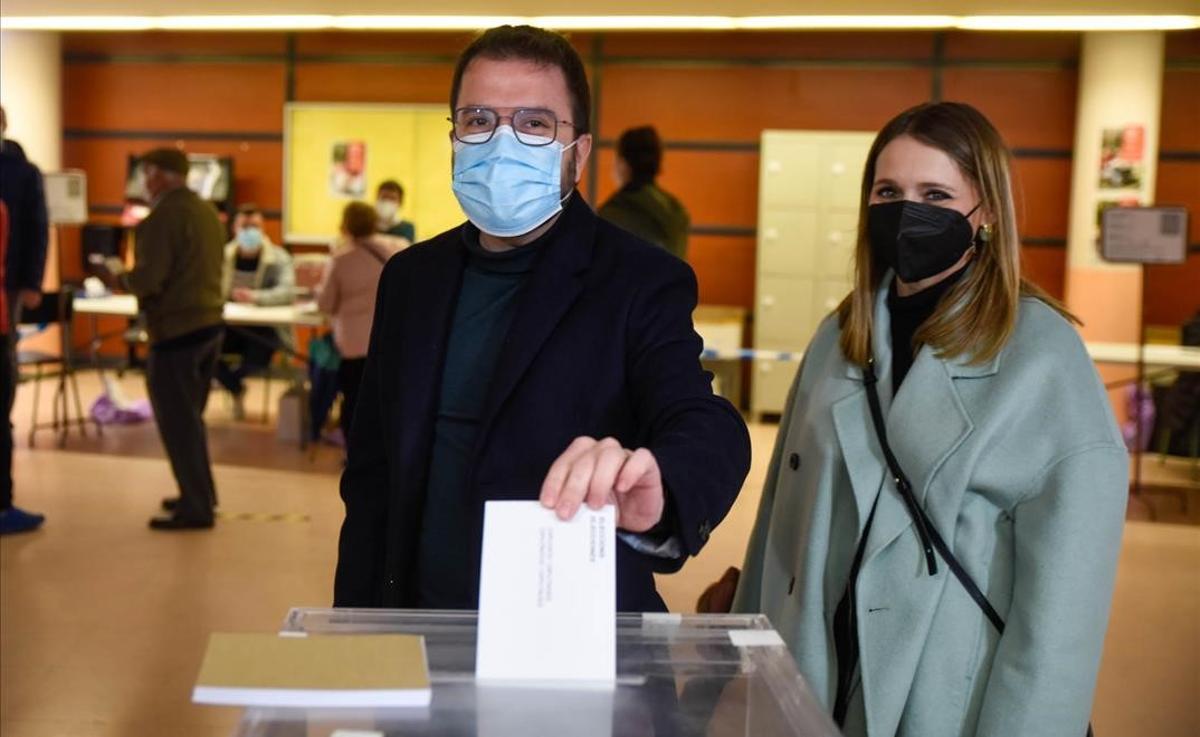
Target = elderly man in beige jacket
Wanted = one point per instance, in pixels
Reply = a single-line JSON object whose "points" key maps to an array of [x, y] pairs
{"points": [[257, 272]]}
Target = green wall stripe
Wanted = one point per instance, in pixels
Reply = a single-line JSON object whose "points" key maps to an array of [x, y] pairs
{"points": [[171, 135], [104, 208]]}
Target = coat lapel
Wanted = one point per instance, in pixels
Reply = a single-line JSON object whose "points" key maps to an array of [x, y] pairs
{"points": [[926, 423], [554, 285], [429, 308], [852, 420]]}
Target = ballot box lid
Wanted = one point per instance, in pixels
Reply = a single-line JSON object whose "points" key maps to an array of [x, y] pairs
{"points": [[677, 676]]}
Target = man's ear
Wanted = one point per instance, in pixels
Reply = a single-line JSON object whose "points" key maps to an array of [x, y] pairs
{"points": [[583, 152]]}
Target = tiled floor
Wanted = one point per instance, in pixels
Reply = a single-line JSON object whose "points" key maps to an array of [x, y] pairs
{"points": [[103, 622]]}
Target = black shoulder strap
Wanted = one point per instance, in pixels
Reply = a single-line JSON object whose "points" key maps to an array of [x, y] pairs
{"points": [[925, 529]]}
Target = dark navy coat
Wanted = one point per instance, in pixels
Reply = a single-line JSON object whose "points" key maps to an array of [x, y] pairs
{"points": [[602, 344]]}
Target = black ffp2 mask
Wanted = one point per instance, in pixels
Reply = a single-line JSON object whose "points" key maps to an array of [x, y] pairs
{"points": [[917, 240]]}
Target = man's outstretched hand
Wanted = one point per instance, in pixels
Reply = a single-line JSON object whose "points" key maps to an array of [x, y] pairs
{"points": [[597, 472]]}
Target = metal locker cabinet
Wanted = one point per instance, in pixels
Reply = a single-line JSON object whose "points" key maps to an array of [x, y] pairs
{"points": [[809, 187]]}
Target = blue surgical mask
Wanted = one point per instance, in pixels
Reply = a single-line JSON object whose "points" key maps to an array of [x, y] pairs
{"points": [[250, 239], [505, 187]]}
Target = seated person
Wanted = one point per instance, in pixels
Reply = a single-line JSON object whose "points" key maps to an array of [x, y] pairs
{"points": [[388, 200], [256, 271]]}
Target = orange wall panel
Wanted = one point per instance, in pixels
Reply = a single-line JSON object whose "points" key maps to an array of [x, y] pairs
{"points": [[450, 43], [1046, 267], [1030, 107], [717, 187], [1039, 46], [339, 82], [1043, 194], [736, 103], [1172, 291], [767, 44], [371, 42], [724, 269], [257, 166], [1181, 110], [1183, 45], [1179, 184], [142, 96], [166, 42]]}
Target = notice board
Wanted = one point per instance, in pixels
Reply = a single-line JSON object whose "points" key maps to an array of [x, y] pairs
{"points": [[335, 153]]}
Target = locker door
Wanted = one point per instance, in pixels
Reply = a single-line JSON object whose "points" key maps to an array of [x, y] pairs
{"points": [[772, 381], [841, 172], [837, 238], [787, 244], [828, 294], [787, 177], [784, 317]]}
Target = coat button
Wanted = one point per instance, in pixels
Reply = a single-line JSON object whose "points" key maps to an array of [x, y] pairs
{"points": [[794, 461], [705, 530]]}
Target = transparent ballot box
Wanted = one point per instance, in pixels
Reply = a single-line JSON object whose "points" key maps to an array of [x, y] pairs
{"points": [[677, 676]]}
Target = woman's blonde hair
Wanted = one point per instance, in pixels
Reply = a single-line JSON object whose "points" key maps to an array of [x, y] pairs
{"points": [[975, 319]]}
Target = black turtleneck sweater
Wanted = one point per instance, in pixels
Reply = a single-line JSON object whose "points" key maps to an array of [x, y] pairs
{"points": [[907, 316], [487, 301]]}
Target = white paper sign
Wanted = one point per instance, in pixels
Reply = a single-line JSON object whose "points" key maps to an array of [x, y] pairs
{"points": [[547, 597], [66, 197], [1149, 235]]}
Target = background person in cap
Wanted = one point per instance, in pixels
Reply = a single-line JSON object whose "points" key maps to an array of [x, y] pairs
{"points": [[24, 232], [177, 280], [640, 205]]}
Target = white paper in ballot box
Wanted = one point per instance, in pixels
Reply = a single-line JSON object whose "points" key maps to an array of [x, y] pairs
{"points": [[547, 598]]}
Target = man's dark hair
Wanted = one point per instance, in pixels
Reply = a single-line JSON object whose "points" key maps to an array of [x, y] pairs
{"points": [[642, 150], [541, 47], [248, 209], [390, 185]]}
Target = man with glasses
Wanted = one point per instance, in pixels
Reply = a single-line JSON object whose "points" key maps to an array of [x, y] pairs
{"points": [[535, 352]]}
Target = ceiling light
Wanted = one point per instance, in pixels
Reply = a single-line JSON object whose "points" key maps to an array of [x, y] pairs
{"points": [[1079, 22], [601, 22]]}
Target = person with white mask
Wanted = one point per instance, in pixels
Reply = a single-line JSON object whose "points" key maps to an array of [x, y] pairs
{"points": [[258, 272], [389, 210], [534, 352]]}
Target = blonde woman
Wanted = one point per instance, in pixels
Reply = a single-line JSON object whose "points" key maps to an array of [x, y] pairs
{"points": [[939, 530]]}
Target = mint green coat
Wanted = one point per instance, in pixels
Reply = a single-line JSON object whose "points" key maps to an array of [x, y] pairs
{"points": [[1021, 467]]}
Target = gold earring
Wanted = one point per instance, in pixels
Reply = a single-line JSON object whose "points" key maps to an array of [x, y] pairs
{"points": [[985, 233]]}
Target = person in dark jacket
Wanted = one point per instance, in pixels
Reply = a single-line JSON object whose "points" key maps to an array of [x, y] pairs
{"points": [[23, 193], [536, 352], [177, 279], [24, 231], [1181, 405], [640, 205]]}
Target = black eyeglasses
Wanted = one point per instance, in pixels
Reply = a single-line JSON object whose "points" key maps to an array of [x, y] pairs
{"points": [[532, 126]]}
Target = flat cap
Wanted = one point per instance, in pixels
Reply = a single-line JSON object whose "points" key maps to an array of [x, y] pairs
{"points": [[168, 159]]}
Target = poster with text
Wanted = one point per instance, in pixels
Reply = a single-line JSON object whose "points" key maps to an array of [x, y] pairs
{"points": [[348, 169], [1122, 157]]}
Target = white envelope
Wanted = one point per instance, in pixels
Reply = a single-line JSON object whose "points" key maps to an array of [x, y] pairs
{"points": [[547, 597]]}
